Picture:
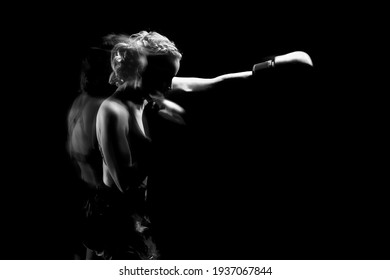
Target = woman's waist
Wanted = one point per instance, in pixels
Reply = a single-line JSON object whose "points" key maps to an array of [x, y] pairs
{"points": [[139, 181]]}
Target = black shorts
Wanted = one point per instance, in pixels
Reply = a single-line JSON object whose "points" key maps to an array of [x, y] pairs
{"points": [[116, 226]]}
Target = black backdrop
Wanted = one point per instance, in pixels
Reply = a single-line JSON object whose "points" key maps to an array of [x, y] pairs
{"points": [[282, 167]]}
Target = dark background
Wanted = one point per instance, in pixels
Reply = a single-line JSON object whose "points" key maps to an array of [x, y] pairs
{"points": [[287, 166]]}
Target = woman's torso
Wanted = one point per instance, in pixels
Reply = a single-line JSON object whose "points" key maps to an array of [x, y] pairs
{"points": [[137, 135], [128, 213]]}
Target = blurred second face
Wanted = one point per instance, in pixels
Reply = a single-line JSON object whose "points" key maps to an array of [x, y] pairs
{"points": [[159, 73]]}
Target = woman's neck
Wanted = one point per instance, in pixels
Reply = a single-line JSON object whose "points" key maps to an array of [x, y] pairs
{"points": [[135, 95]]}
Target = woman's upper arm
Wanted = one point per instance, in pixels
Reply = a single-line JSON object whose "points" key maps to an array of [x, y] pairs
{"points": [[189, 84], [199, 84]]}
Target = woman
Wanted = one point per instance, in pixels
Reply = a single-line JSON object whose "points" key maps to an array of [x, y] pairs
{"points": [[144, 66]]}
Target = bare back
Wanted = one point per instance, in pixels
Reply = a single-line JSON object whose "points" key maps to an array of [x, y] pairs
{"points": [[82, 142]]}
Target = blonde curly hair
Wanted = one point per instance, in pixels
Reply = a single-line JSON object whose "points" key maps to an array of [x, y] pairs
{"points": [[129, 55]]}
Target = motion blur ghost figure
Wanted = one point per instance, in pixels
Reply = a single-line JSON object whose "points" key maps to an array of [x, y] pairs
{"points": [[82, 142]]}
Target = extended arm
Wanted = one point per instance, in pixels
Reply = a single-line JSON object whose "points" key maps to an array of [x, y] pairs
{"points": [[189, 84]]}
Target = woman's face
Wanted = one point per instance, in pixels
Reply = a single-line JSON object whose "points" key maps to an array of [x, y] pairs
{"points": [[159, 72]]}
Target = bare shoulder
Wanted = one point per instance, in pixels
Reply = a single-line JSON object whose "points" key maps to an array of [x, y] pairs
{"points": [[112, 106], [112, 110]]}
